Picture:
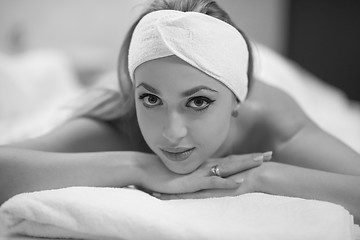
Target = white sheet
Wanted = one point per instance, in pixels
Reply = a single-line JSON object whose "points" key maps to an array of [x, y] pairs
{"points": [[110, 213]]}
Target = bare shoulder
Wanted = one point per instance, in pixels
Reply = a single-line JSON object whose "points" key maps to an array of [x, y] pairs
{"points": [[275, 112], [79, 135], [280, 124]]}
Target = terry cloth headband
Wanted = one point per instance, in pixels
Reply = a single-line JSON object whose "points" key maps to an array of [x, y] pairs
{"points": [[207, 43]]}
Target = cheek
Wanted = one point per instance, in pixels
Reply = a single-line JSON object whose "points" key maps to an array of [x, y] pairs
{"points": [[148, 124], [212, 130]]}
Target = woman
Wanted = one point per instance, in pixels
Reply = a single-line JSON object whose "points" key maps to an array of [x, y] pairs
{"points": [[190, 123]]}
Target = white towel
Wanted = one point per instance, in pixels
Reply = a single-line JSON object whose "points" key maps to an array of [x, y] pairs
{"points": [[119, 213], [207, 43]]}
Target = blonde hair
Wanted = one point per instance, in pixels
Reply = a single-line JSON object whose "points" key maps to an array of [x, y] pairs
{"points": [[125, 102]]}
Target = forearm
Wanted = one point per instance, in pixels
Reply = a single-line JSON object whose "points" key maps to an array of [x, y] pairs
{"points": [[28, 170], [315, 149], [287, 180]]}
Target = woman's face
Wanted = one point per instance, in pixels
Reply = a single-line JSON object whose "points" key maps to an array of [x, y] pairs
{"points": [[184, 114]]}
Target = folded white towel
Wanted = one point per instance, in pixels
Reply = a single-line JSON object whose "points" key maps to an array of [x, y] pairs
{"points": [[115, 213]]}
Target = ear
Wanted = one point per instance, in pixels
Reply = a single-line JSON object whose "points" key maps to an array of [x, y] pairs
{"points": [[235, 109]]}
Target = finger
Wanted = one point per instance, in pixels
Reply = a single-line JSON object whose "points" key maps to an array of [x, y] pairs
{"points": [[238, 163], [185, 196], [199, 195], [215, 182], [164, 196], [212, 182]]}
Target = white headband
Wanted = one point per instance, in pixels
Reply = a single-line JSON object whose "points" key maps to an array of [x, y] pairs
{"points": [[207, 43]]}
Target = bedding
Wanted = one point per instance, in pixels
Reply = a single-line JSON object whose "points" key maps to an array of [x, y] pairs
{"points": [[34, 86], [121, 213]]}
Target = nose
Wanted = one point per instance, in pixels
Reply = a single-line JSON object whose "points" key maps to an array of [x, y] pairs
{"points": [[175, 128]]}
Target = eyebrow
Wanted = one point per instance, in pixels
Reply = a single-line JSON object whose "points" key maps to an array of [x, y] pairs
{"points": [[148, 87], [194, 90], [187, 93]]}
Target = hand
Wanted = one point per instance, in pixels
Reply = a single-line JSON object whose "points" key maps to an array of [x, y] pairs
{"points": [[156, 177], [250, 179], [202, 181], [233, 164]]}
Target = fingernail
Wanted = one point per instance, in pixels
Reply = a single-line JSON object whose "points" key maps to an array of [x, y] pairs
{"points": [[267, 156], [239, 181], [259, 158]]}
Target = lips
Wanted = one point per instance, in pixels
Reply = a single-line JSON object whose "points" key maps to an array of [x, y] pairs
{"points": [[177, 154]]}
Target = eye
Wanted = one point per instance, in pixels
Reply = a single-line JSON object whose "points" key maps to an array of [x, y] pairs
{"points": [[199, 103], [150, 100]]}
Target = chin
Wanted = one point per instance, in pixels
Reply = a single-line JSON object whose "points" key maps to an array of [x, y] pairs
{"points": [[184, 167]]}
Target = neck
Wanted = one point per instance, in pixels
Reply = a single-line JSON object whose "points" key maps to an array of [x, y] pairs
{"points": [[237, 134]]}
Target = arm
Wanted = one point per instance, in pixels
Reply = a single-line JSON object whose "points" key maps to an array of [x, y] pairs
{"points": [[287, 180], [317, 166], [46, 162], [313, 148], [51, 165], [24, 170]]}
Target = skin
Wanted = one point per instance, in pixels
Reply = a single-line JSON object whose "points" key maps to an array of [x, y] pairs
{"points": [[169, 120], [307, 162]]}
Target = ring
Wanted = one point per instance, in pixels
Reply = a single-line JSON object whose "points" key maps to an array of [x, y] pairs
{"points": [[215, 171]]}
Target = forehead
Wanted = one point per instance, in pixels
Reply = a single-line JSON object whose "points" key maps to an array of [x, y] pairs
{"points": [[174, 72]]}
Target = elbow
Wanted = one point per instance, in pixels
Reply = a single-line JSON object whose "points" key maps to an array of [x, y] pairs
{"points": [[8, 181], [4, 186]]}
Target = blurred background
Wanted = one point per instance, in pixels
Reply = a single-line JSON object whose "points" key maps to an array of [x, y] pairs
{"points": [[50, 50], [90, 32]]}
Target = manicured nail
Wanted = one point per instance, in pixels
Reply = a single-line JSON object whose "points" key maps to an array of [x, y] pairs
{"points": [[267, 156], [259, 158]]}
